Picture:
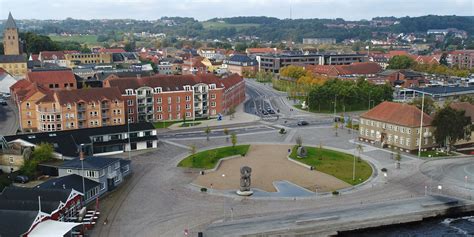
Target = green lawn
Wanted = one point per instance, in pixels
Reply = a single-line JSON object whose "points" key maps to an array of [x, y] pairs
{"points": [[83, 39], [335, 163], [209, 158], [165, 124], [434, 154], [220, 25]]}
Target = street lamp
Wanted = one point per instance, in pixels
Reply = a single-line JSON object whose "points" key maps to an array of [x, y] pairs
{"points": [[81, 157]]}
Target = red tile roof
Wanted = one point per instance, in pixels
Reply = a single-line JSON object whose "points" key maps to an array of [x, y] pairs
{"points": [[397, 113], [88, 95], [393, 53], [20, 84], [172, 82], [466, 106], [52, 55], [47, 77], [365, 68]]}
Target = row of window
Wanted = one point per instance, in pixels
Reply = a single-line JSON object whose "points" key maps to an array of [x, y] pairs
{"points": [[158, 90], [393, 139], [390, 127]]}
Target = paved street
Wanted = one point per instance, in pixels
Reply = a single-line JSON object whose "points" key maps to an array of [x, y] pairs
{"points": [[158, 200], [9, 122]]}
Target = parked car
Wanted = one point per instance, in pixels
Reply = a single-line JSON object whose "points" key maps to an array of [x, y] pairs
{"points": [[302, 123], [6, 95], [22, 179], [3, 102]]}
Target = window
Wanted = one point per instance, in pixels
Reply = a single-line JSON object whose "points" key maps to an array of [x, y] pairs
{"points": [[91, 174], [69, 171], [158, 90], [158, 100], [102, 186], [188, 106], [188, 114], [169, 100], [188, 98], [178, 99], [129, 91], [10, 159], [27, 105], [178, 107], [28, 122], [130, 102], [68, 106], [169, 108], [213, 96], [213, 104], [159, 117], [159, 109], [130, 111]]}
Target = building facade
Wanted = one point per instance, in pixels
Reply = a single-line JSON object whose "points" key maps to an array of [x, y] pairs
{"points": [[397, 126], [239, 64], [74, 58], [461, 58], [11, 40], [178, 97]]}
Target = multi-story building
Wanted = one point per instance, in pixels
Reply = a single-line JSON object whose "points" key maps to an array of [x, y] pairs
{"points": [[274, 62], [165, 68], [397, 125], [461, 59], [74, 58], [54, 57], [319, 40], [240, 64], [175, 97], [14, 64], [41, 109]]}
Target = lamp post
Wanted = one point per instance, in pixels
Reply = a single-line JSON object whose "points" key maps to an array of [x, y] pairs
{"points": [[421, 124], [354, 161], [81, 157]]}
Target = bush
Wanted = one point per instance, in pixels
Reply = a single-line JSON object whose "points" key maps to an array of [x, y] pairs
{"points": [[282, 131], [384, 169], [203, 190], [335, 192]]}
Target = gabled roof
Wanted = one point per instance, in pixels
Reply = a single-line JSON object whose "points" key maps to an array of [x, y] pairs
{"points": [[31, 194], [90, 163], [397, 113], [240, 58], [88, 95], [466, 106], [20, 84], [173, 82], [16, 223], [51, 76], [52, 55], [10, 24], [73, 181]]}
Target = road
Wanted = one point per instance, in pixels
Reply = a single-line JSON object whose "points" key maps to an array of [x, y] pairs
{"points": [[9, 122], [158, 200]]}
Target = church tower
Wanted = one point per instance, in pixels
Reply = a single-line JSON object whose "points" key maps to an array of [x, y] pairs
{"points": [[10, 37]]}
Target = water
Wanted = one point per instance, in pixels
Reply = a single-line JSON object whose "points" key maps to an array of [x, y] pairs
{"points": [[457, 226]]}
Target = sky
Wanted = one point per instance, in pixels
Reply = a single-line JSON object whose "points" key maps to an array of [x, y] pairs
{"points": [[207, 9]]}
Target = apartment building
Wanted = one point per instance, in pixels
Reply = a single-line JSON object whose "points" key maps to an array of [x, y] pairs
{"points": [[75, 58], [396, 125], [175, 97], [461, 58]]}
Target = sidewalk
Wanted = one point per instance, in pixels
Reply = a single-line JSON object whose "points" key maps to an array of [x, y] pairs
{"points": [[239, 117]]}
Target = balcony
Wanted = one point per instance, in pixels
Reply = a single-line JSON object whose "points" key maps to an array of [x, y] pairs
{"points": [[105, 115], [81, 108], [105, 106], [81, 117]]}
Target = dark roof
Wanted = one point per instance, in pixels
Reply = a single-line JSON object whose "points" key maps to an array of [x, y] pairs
{"points": [[31, 194], [29, 205], [10, 24], [16, 223], [90, 163], [67, 142], [88, 95], [12, 59], [444, 90], [102, 75], [73, 181], [124, 162], [240, 59]]}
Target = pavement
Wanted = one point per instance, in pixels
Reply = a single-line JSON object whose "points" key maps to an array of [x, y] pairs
{"points": [[9, 122]]}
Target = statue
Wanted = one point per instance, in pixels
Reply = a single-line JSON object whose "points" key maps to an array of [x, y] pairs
{"points": [[245, 181], [302, 152]]}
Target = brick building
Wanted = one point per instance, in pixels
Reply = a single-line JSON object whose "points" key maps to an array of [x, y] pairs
{"points": [[173, 97], [461, 58]]}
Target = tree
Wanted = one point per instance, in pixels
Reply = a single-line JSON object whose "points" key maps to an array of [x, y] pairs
{"points": [[193, 150], [241, 47], [130, 46], [226, 133], [299, 141], [400, 62], [231, 112], [429, 106], [349, 125], [443, 59], [398, 158], [43, 152], [336, 126], [207, 131], [450, 126], [359, 148], [293, 71], [233, 139]]}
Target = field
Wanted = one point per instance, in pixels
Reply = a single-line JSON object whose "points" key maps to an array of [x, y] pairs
{"points": [[209, 158], [335, 163], [220, 25], [83, 39]]}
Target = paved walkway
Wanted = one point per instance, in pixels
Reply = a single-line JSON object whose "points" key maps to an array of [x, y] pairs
{"points": [[269, 163]]}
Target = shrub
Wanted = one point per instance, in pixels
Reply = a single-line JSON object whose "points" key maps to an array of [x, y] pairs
{"points": [[203, 190], [282, 131], [384, 169], [335, 192]]}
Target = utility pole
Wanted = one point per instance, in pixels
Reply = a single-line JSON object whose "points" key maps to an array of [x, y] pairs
{"points": [[421, 124]]}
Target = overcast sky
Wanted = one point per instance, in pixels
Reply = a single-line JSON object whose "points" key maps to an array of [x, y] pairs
{"points": [[207, 9]]}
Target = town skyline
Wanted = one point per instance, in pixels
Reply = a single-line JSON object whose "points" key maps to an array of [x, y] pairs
{"points": [[203, 10]]}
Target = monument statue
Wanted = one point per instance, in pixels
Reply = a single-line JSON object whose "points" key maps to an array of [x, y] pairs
{"points": [[302, 152], [245, 181]]}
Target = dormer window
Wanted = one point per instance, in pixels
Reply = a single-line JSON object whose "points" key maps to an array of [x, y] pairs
{"points": [[129, 91], [68, 106], [158, 90], [212, 86], [187, 88]]}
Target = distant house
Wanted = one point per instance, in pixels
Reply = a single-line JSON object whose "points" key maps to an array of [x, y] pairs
{"points": [[405, 78], [396, 125], [55, 57], [365, 69], [240, 63], [108, 172]]}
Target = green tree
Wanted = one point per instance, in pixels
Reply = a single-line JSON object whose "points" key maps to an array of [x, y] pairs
{"points": [[43, 152], [450, 126], [193, 150], [207, 131], [130, 46], [233, 139], [400, 62], [241, 47], [231, 112], [226, 133]]}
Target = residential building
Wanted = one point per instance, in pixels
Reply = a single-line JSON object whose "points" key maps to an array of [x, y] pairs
{"points": [[261, 51], [175, 97], [165, 68], [194, 66], [108, 172], [11, 39], [397, 125], [74, 181], [463, 59], [42, 109], [212, 54], [76, 58], [404, 78], [239, 64], [14, 64], [319, 40], [54, 57], [96, 141], [12, 155], [355, 70], [24, 210]]}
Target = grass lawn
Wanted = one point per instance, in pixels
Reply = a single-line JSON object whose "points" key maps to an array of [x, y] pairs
{"points": [[335, 163], [165, 124], [220, 25], [434, 154], [208, 159], [83, 39]]}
